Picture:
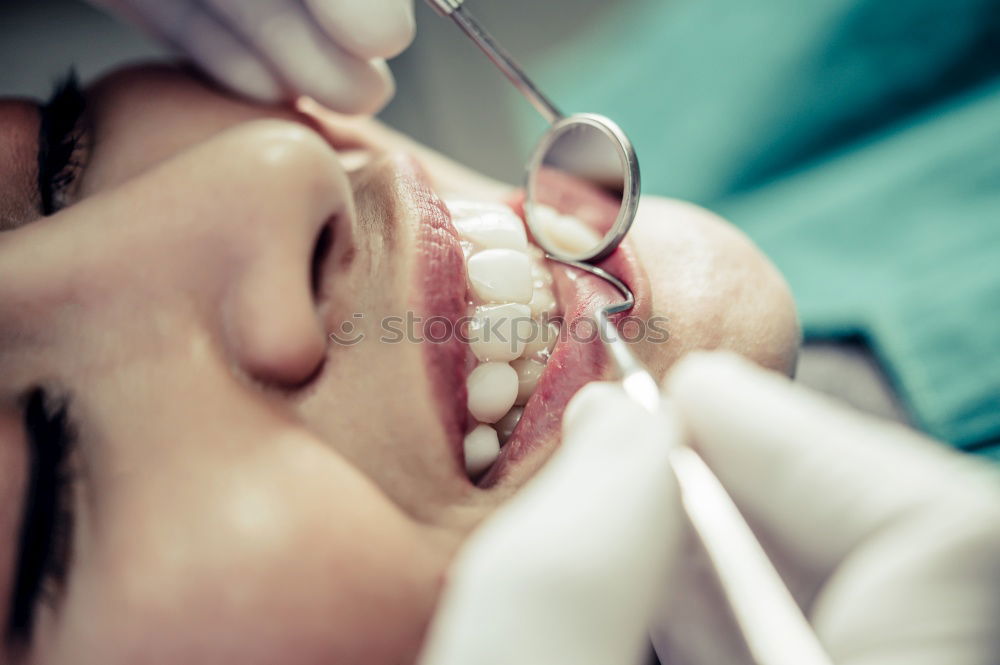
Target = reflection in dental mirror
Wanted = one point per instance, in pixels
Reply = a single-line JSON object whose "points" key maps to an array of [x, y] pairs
{"points": [[583, 184]]}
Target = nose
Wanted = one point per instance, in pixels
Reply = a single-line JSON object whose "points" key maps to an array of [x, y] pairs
{"points": [[274, 332], [295, 198], [215, 244]]}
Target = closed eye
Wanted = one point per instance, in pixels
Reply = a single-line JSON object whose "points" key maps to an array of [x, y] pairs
{"points": [[63, 144], [46, 532]]}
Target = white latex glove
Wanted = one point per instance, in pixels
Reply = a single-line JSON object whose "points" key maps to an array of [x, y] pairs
{"points": [[890, 542], [274, 50], [570, 570]]}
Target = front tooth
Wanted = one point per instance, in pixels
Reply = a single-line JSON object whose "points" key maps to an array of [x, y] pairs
{"points": [[482, 447], [505, 426], [528, 373], [570, 235], [494, 230], [501, 275], [499, 332], [543, 339], [492, 388]]}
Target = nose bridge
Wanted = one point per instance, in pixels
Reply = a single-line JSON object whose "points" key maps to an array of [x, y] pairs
{"points": [[228, 227], [271, 316]]}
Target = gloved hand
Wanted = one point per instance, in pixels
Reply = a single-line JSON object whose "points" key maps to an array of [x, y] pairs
{"points": [[273, 50], [891, 542], [570, 570]]}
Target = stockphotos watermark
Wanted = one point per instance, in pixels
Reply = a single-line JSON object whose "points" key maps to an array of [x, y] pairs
{"points": [[515, 332]]}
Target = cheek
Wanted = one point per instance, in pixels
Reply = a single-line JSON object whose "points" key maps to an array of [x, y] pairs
{"points": [[712, 287], [295, 561]]}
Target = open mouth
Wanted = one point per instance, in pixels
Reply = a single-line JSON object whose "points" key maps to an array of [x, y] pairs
{"points": [[513, 335], [531, 335], [512, 324]]}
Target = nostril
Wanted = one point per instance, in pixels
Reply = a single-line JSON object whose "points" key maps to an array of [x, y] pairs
{"points": [[321, 252], [273, 321]]}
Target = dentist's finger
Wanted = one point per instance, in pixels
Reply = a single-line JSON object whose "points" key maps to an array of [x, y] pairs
{"points": [[284, 35], [199, 34], [571, 568], [819, 478], [371, 29]]}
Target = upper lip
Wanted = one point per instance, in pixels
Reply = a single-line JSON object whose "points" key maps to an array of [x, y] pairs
{"points": [[441, 282]]}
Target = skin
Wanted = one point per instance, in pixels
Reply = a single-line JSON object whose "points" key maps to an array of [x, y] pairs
{"points": [[248, 492]]}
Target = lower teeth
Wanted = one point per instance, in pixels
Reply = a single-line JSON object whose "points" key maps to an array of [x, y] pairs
{"points": [[510, 333], [505, 426], [482, 447]]}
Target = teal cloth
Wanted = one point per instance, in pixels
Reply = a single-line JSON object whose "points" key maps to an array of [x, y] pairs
{"points": [[857, 141]]}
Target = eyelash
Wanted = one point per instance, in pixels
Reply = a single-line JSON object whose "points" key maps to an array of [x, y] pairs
{"points": [[47, 524], [62, 144]]}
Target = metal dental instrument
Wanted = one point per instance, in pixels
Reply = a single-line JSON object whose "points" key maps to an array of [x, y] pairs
{"points": [[585, 167]]}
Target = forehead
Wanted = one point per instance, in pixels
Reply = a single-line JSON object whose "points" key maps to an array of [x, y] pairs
{"points": [[19, 202]]}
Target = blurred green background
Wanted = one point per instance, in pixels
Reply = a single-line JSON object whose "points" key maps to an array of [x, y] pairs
{"points": [[857, 141]]}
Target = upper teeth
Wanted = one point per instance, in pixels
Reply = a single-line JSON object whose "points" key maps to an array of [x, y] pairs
{"points": [[509, 285], [500, 332], [490, 227], [493, 389], [501, 275]]}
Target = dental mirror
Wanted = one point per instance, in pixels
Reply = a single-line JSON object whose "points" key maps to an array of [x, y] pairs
{"points": [[583, 170], [582, 188]]}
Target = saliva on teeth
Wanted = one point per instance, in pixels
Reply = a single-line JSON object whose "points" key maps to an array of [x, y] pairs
{"points": [[510, 334]]}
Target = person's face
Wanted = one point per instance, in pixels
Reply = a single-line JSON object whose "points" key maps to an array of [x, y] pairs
{"points": [[243, 488]]}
